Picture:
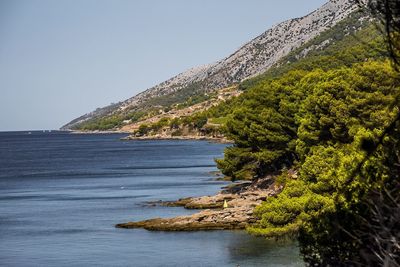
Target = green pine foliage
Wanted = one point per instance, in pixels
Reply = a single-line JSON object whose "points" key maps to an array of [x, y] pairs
{"points": [[263, 128], [111, 122], [263, 122], [342, 108]]}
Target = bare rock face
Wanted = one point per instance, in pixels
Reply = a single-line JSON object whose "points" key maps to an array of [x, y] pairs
{"points": [[241, 201], [251, 59]]}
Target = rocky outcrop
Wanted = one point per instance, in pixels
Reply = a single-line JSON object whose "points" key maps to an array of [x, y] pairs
{"points": [[205, 220], [241, 199]]}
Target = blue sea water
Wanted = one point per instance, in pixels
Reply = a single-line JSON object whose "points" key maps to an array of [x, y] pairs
{"points": [[61, 195]]}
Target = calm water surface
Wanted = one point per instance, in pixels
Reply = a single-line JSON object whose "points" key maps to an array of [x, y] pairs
{"points": [[61, 195]]}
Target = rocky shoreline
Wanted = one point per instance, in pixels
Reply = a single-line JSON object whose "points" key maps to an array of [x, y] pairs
{"points": [[241, 199], [131, 137], [186, 137]]}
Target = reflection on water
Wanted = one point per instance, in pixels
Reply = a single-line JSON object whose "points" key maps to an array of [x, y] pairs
{"points": [[250, 250]]}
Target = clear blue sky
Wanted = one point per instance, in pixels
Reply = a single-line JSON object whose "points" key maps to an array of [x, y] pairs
{"points": [[60, 59]]}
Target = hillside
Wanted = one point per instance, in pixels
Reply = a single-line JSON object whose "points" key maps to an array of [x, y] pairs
{"points": [[251, 59], [351, 41]]}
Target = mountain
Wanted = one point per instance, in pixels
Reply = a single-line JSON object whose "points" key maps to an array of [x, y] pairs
{"points": [[251, 59]]}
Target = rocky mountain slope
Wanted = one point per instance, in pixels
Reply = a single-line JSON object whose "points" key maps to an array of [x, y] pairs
{"points": [[251, 59]]}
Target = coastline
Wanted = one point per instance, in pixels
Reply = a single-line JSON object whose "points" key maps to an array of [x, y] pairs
{"points": [[222, 140], [230, 209], [130, 137]]}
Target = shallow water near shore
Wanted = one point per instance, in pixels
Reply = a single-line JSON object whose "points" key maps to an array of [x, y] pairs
{"points": [[61, 195]]}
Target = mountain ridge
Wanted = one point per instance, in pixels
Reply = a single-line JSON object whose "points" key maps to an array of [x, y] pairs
{"points": [[251, 59]]}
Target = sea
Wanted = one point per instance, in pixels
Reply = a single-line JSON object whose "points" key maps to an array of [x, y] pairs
{"points": [[62, 193]]}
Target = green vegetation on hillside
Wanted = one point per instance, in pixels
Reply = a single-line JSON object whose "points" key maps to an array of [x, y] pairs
{"points": [[263, 121], [341, 110], [342, 45], [194, 123], [111, 122], [193, 94]]}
